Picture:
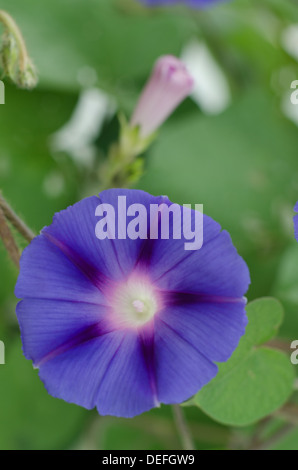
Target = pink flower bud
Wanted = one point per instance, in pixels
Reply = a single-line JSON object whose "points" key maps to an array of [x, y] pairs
{"points": [[169, 84]]}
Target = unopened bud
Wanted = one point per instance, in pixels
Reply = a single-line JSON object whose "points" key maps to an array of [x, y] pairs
{"points": [[14, 59]]}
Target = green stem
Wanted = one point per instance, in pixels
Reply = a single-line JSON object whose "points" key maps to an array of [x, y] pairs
{"points": [[15, 220], [124, 166], [119, 171], [11, 25], [182, 428], [8, 240]]}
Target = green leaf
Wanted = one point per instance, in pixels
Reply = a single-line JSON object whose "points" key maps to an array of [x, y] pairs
{"points": [[32, 419], [265, 317], [256, 381]]}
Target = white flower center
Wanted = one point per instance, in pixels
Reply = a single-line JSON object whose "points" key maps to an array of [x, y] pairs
{"points": [[134, 302], [139, 305]]}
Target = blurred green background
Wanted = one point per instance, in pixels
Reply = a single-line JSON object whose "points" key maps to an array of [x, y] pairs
{"points": [[241, 163]]}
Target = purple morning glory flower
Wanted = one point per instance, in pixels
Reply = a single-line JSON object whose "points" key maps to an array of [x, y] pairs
{"points": [[125, 324], [191, 3]]}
